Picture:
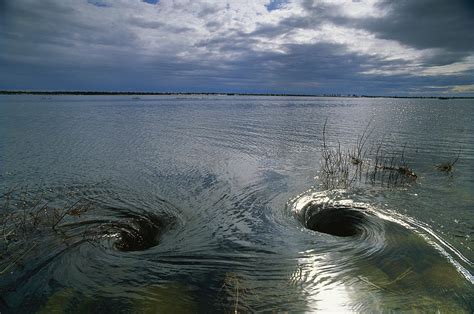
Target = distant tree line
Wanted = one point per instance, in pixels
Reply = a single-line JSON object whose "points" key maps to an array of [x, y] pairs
{"points": [[104, 93]]}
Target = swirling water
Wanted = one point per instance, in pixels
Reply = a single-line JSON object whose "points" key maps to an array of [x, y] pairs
{"points": [[214, 186]]}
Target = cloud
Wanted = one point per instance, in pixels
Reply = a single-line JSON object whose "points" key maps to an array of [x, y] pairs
{"points": [[463, 89], [297, 46], [443, 28], [425, 24]]}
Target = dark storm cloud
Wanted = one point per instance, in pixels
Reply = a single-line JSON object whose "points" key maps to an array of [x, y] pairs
{"points": [[444, 56], [423, 24], [325, 67], [107, 45], [48, 32], [427, 24]]}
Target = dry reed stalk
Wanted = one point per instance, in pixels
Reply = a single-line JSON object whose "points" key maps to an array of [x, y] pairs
{"points": [[344, 168]]}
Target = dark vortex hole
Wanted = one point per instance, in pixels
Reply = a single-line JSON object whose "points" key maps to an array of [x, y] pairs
{"points": [[337, 221], [138, 234]]}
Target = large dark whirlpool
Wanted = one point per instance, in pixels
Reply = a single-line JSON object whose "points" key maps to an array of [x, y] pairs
{"points": [[374, 250], [131, 232], [335, 219]]}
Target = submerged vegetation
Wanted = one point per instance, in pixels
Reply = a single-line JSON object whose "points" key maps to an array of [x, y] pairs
{"points": [[26, 218]]}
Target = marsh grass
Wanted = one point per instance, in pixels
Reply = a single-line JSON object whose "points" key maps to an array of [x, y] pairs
{"points": [[375, 164], [26, 219], [448, 166]]}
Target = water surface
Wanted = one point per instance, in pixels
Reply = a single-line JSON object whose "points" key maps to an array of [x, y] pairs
{"points": [[221, 180]]}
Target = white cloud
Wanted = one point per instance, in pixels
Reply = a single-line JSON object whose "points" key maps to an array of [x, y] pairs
{"points": [[179, 28], [463, 89], [211, 36], [451, 69]]}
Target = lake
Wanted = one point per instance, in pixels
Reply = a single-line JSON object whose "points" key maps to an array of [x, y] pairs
{"points": [[195, 204]]}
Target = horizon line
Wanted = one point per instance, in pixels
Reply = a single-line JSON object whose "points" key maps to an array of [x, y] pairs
{"points": [[111, 93]]}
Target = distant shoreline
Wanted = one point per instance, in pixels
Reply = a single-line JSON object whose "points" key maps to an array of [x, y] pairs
{"points": [[103, 93]]}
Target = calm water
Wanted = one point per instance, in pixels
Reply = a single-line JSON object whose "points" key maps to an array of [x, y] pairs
{"points": [[226, 178]]}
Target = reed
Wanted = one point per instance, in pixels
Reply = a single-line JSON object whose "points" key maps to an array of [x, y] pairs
{"points": [[378, 164], [26, 219]]}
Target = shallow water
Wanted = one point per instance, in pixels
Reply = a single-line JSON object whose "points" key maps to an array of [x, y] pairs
{"points": [[214, 187]]}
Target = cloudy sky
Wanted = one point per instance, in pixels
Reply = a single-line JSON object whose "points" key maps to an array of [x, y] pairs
{"points": [[403, 47]]}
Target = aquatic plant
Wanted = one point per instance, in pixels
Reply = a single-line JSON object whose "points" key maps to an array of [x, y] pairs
{"points": [[448, 166], [345, 167], [27, 217], [34, 219]]}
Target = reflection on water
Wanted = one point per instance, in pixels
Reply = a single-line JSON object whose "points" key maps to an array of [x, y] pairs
{"points": [[211, 205], [391, 255]]}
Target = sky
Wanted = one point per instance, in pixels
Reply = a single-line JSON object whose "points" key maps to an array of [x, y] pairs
{"points": [[404, 47]]}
